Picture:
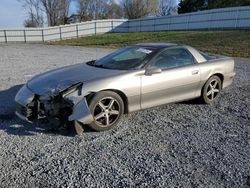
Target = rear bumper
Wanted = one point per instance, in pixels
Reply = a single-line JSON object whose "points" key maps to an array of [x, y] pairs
{"points": [[228, 79]]}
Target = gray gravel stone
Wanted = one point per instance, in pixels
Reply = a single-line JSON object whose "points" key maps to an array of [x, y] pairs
{"points": [[175, 145]]}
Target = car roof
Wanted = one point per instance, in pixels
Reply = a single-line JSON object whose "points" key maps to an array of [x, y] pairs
{"points": [[157, 45]]}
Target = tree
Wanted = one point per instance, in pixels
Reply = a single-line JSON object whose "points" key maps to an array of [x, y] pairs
{"points": [[140, 8], [56, 11], [98, 9], [35, 15], [84, 10], [227, 3], [191, 5], [152, 6], [196, 5], [134, 9], [167, 7], [114, 11], [33, 21]]}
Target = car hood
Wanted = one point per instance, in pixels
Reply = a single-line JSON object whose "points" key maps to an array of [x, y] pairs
{"points": [[62, 78]]}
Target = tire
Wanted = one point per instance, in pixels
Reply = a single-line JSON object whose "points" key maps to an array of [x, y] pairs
{"points": [[107, 108], [211, 90]]}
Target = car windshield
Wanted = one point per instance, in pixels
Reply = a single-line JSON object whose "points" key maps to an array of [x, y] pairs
{"points": [[125, 59]]}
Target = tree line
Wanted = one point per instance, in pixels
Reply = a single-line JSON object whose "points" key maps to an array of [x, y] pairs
{"points": [[57, 12], [198, 5]]}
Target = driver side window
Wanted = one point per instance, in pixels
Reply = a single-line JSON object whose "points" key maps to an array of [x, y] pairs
{"points": [[172, 58]]}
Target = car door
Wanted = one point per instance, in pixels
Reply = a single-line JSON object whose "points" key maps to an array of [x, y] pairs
{"points": [[177, 80]]}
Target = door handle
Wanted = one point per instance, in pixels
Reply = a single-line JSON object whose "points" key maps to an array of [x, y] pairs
{"points": [[195, 72]]}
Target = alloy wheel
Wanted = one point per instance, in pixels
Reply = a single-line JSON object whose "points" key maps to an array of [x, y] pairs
{"points": [[106, 112], [213, 90]]}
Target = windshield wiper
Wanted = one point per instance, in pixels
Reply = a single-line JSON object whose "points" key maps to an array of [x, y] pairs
{"points": [[99, 66], [91, 62]]}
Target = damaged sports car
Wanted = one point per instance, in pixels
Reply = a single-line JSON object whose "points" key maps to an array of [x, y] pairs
{"points": [[137, 77]]}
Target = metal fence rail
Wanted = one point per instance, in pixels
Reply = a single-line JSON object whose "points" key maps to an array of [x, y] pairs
{"points": [[62, 32], [227, 18]]}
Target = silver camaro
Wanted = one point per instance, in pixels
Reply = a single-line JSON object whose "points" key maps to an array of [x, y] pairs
{"points": [[137, 77]]}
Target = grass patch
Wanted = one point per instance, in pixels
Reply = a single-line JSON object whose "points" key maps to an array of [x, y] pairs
{"points": [[231, 43]]}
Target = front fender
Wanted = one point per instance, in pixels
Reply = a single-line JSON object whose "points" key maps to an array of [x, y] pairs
{"points": [[81, 113]]}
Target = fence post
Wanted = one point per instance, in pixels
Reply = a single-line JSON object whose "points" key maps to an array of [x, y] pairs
{"points": [[128, 26], [77, 35], [210, 22], [42, 36], [170, 22], [188, 20], [154, 25], [140, 25], [236, 20], [5, 36], [24, 35], [60, 31], [95, 28], [112, 25]]}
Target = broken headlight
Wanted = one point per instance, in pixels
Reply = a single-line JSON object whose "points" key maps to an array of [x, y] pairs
{"points": [[74, 90]]}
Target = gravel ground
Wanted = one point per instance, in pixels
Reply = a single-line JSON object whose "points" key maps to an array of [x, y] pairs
{"points": [[176, 145]]}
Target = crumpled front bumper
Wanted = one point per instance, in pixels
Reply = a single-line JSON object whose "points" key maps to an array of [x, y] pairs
{"points": [[27, 109], [23, 98], [81, 113]]}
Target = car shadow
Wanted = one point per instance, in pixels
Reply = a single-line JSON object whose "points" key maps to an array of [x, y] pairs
{"points": [[12, 125], [192, 102]]}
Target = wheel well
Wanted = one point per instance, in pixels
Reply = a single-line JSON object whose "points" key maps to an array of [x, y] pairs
{"points": [[124, 98], [120, 93], [217, 74], [220, 76]]}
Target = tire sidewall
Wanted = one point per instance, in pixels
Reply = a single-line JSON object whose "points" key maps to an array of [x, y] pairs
{"points": [[98, 97], [204, 90]]}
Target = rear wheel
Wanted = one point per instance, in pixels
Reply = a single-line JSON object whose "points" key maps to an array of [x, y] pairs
{"points": [[106, 107], [211, 89]]}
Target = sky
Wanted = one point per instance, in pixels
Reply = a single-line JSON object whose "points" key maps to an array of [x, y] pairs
{"points": [[12, 14]]}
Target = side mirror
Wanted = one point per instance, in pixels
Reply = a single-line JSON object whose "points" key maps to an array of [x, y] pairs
{"points": [[152, 70]]}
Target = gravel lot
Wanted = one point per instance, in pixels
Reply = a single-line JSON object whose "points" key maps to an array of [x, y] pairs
{"points": [[176, 145]]}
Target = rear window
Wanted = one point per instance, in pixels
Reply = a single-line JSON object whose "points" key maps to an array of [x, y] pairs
{"points": [[207, 57]]}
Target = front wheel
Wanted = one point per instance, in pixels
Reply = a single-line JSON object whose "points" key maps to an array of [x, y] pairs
{"points": [[107, 108], [211, 89]]}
